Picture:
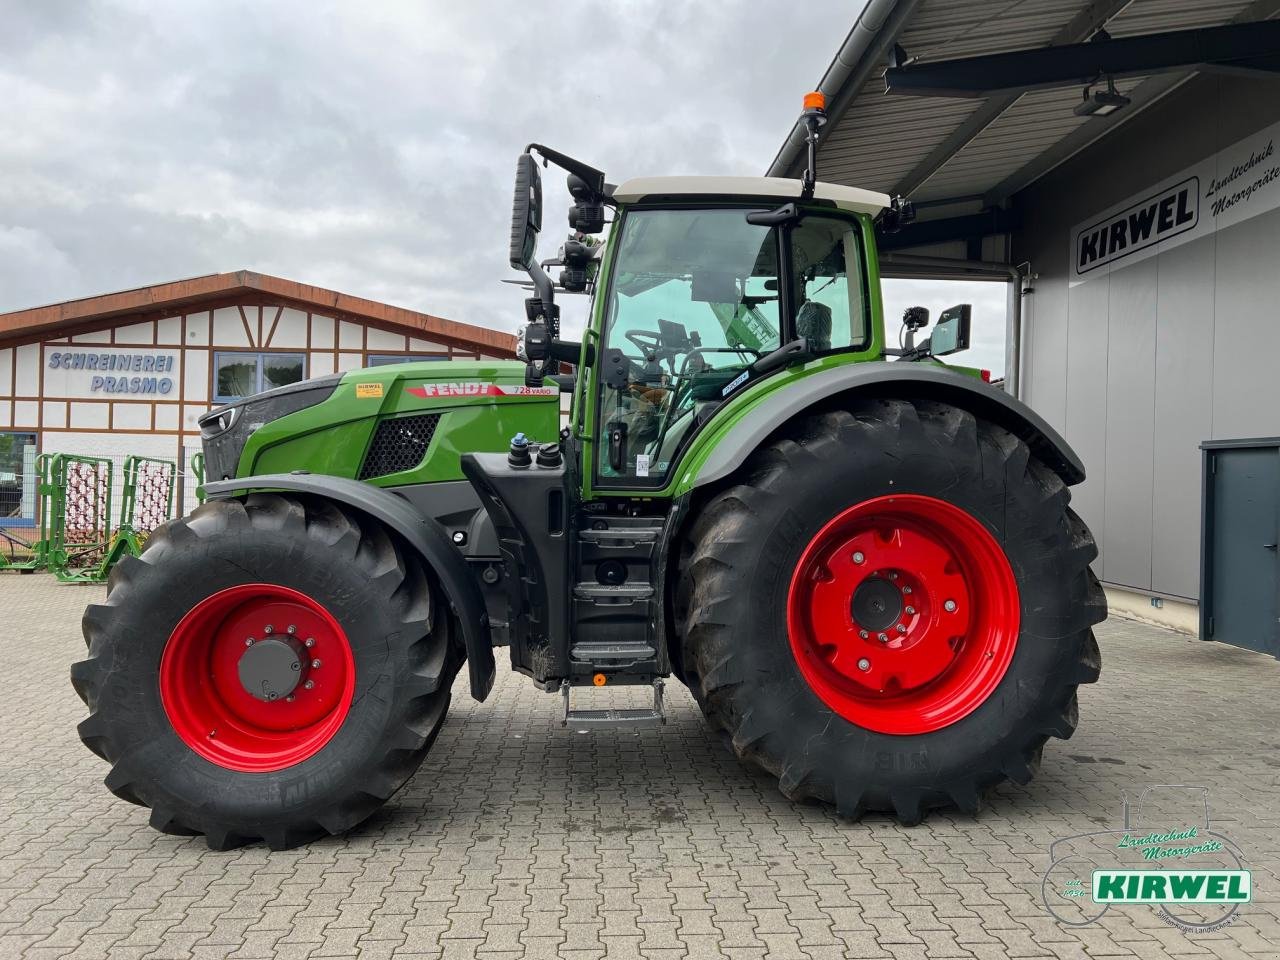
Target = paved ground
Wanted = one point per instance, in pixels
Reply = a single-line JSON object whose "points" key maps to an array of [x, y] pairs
{"points": [[518, 838]]}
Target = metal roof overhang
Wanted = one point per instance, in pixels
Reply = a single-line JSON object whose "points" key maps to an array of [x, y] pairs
{"points": [[971, 147], [992, 87]]}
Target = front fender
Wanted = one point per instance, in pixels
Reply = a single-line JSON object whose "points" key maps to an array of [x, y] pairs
{"points": [[422, 533], [726, 449]]}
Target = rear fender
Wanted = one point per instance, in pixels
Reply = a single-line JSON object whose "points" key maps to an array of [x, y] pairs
{"points": [[422, 533], [904, 380]]}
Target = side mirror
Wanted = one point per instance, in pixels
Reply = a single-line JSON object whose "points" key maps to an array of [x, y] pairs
{"points": [[951, 332], [526, 213]]}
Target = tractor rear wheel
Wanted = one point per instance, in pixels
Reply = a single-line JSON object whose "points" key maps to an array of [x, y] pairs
{"points": [[270, 669], [891, 608]]}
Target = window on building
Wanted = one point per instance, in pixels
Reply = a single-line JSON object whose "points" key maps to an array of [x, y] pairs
{"points": [[17, 479], [238, 374], [385, 359]]}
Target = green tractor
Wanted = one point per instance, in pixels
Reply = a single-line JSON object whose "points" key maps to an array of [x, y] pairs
{"points": [[866, 572]]}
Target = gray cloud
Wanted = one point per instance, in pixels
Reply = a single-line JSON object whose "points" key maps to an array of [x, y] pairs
{"points": [[366, 147]]}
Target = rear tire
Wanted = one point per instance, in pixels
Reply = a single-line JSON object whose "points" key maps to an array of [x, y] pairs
{"points": [[961, 723], [162, 667]]}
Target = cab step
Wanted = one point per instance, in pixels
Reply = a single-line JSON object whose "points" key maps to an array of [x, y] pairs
{"points": [[634, 717]]}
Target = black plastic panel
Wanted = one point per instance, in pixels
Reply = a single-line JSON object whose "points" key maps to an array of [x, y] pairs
{"points": [[399, 444]]}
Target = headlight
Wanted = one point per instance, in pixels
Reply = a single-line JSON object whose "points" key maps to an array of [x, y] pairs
{"points": [[225, 430]]}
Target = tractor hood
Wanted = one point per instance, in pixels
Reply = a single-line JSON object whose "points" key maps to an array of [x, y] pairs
{"points": [[330, 424]]}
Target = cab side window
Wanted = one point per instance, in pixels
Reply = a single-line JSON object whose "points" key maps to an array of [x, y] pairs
{"points": [[828, 284]]}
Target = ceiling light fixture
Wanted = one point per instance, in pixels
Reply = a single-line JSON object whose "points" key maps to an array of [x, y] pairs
{"points": [[1100, 103]]}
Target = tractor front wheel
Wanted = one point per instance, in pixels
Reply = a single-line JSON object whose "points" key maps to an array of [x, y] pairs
{"points": [[269, 669], [891, 608]]}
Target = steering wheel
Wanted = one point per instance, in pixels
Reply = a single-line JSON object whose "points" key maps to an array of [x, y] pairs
{"points": [[647, 341]]}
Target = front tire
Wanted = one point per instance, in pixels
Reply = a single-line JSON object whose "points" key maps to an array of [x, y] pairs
{"points": [[270, 669], [891, 608]]}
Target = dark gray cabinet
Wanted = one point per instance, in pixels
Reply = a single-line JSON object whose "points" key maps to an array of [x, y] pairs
{"points": [[1240, 530]]}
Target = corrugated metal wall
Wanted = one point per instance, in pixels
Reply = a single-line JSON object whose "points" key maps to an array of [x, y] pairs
{"points": [[1138, 367]]}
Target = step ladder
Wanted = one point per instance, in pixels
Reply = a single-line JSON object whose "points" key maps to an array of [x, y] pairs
{"points": [[634, 717]]}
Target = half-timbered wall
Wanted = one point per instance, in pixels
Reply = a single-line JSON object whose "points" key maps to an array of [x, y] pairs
{"points": [[48, 388]]}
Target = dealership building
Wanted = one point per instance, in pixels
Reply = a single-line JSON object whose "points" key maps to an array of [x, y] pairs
{"points": [[129, 373], [1116, 165]]}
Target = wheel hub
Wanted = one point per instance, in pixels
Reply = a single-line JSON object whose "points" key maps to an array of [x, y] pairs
{"points": [[877, 604], [273, 668], [903, 614]]}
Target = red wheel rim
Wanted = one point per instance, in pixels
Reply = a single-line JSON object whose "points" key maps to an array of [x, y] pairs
{"points": [[903, 614], [210, 665]]}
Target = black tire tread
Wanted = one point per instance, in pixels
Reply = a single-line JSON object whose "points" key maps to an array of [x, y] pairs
{"points": [[351, 539], [710, 588]]}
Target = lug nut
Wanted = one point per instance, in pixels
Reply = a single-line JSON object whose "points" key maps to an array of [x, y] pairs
{"points": [[309, 684], [268, 629], [858, 557], [864, 664], [906, 589], [272, 695], [892, 575], [949, 606], [901, 628], [309, 642], [459, 537], [911, 611], [289, 698], [292, 629], [249, 642], [882, 637], [315, 663], [863, 634]]}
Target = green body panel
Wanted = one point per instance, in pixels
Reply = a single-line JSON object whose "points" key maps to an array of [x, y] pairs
{"points": [[684, 471], [333, 437]]}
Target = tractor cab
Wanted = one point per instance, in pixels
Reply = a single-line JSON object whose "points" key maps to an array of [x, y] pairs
{"points": [[708, 285]]}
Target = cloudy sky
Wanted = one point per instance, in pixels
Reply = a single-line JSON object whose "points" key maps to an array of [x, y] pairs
{"points": [[369, 147]]}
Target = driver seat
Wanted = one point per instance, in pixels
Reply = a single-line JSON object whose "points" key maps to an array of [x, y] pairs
{"points": [[813, 322]]}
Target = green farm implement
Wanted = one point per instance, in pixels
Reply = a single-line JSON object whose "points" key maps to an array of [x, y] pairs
{"points": [[19, 554], [77, 542]]}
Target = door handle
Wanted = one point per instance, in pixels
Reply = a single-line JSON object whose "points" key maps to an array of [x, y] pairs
{"points": [[1268, 546]]}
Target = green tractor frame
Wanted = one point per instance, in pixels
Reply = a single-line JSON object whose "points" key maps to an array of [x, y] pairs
{"points": [[866, 572]]}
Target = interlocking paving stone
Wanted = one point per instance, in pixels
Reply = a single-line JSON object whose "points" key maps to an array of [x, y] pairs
{"points": [[518, 838]]}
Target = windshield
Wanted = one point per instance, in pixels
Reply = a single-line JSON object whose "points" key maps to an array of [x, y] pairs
{"points": [[694, 300]]}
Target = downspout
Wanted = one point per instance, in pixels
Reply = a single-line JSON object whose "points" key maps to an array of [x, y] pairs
{"points": [[1013, 335], [959, 269], [848, 59]]}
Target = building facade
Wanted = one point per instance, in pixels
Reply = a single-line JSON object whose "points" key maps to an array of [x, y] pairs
{"points": [[1151, 322], [129, 373]]}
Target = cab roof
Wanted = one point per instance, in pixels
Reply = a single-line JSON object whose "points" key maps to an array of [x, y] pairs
{"points": [[777, 188]]}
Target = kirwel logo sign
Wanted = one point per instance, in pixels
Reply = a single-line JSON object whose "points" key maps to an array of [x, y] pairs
{"points": [[1165, 856]]}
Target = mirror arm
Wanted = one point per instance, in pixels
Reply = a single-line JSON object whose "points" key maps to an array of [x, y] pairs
{"points": [[772, 218], [797, 351], [593, 178], [545, 290]]}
